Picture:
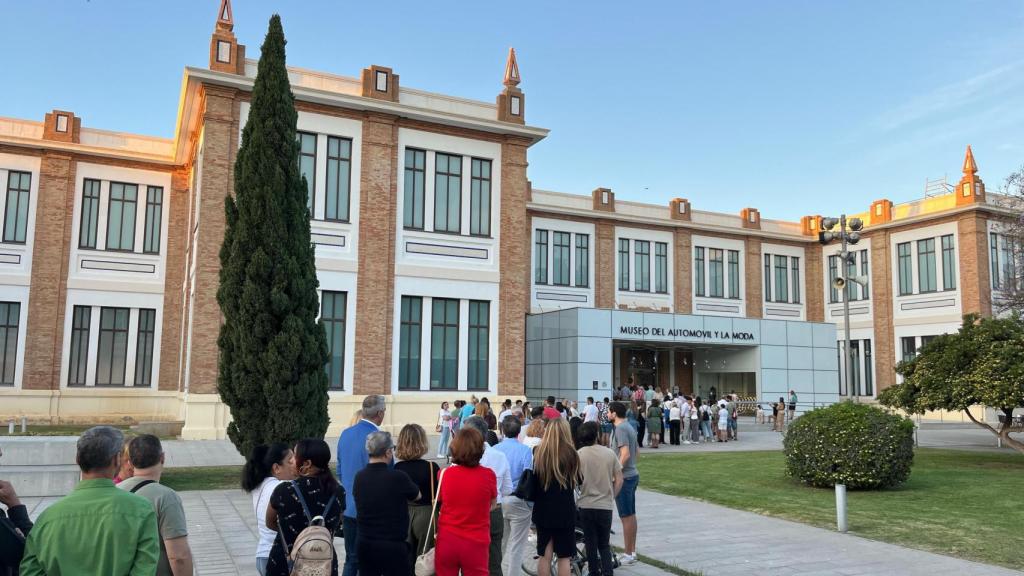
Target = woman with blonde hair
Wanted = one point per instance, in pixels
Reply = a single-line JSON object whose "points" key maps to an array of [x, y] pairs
{"points": [[412, 446], [556, 467], [534, 433], [356, 417]]}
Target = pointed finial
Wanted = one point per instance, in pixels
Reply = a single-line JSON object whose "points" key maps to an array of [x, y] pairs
{"points": [[511, 69], [969, 166], [225, 20]]}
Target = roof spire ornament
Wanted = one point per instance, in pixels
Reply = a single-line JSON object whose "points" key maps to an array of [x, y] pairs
{"points": [[969, 166], [511, 69], [225, 19]]}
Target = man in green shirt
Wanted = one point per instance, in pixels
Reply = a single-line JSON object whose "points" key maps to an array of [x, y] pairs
{"points": [[97, 529]]}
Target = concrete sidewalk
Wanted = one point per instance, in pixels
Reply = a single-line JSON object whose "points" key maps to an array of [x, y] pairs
{"points": [[719, 541]]}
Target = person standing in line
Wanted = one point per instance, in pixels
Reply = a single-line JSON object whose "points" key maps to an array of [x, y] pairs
{"points": [[534, 433], [444, 426], [550, 412], [723, 422], [97, 528], [792, 405], [625, 447], [126, 471], [654, 424], [498, 463], [515, 512], [412, 446], [641, 422], [604, 420], [266, 467], [648, 393], [147, 456], [631, 412], [602, 480], [590, 410], [705, 421], [468, 408], [666, 413], [352, 458], [383, 496], [467, 493], [684, 415], [556, 475], [780, 414], [673, 422], [730, 405], [15, 525], [505, 412]]}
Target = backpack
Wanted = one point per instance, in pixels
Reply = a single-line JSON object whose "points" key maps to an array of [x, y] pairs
{"points": [[704, 414], [312, 553]]}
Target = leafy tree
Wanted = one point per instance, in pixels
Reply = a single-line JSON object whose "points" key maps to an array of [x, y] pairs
{"points": [[272, 350], [982, 364], [1011, 281]]}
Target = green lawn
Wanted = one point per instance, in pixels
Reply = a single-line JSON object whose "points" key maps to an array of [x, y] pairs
{"points": [[966, 504], [203, 478]]}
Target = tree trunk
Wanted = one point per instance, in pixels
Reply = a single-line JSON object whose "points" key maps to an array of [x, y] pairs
{"points": [[1003, 433]]}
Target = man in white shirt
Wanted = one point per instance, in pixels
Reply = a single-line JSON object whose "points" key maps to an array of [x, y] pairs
{"points": [[685, 414], [505, 413], [590, 410], [498, 463]]}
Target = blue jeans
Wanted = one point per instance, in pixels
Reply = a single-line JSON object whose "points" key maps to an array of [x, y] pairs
{"points": [[626, 499], [351, 560], [446, 434], [261, 565]]}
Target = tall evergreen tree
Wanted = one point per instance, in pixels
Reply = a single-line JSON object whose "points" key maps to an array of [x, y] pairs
{"points": [[272, 349]]}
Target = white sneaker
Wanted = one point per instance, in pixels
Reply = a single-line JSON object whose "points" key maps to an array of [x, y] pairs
{"points": [[686, 442], [627, 559]]}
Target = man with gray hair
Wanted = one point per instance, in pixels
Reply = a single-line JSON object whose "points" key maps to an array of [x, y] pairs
{"points": [[97, 529], [352, 458], [498, 463], [383, 496]]}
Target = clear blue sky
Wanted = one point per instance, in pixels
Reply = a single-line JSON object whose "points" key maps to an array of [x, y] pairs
{"points": [[794, 107]]}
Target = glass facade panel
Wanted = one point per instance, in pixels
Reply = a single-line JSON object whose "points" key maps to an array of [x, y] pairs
{"points": [[415, 174], [333, 310], [642, 265], [19, 185], [447, 193], [480, 198], [90, 213], [154, 219], [339, 179], [307, 165], [10, 318], [144, 344], [479, 345], [906, 272], [926, 265], [112, 358], [540, 251], [444, 344], [560, 258], [121, 216], [661, 267], [582, 260], [78, 356], [409, 347]]}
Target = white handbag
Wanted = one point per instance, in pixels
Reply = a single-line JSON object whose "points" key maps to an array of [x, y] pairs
{"points": [[425, 561]]}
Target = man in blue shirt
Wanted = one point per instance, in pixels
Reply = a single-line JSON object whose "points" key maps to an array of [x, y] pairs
{"points": [[516, 512], [352, 457], [469, 408]]}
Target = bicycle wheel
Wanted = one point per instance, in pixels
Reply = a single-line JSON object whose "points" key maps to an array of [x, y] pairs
{"points": [[530, 564]]}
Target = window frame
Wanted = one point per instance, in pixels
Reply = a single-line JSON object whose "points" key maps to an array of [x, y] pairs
{"points": [[444, 325], [733, 267], [81, 326], [480, 220], [948, 262], [412, 208], [699, 272], [540, 244], [582, 261], [716, 289], [145, 346], [781, 279], [661, 267], [153, 225], [448, 175], [94, 211], [926, 257], [481, 331], [113, 335], [768, 277], [624, 264], [642, 265], [9, 321], [561, 254], [330, 323], [794, 267], [122, 220], [22, 203], [413, 327], [340, 161], [905, 269], [311, 177]]}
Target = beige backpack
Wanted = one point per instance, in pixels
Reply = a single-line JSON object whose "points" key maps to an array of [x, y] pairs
{"points": [[312, 553]]}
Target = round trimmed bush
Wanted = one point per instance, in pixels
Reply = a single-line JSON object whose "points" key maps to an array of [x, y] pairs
{"points": [[859, 445]]}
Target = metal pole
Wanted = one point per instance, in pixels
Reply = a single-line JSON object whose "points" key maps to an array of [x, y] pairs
{"points": [[841, 507], [846, 312]]}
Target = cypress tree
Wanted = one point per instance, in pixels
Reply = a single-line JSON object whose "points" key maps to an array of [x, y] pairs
{"points": [[272, 349]]}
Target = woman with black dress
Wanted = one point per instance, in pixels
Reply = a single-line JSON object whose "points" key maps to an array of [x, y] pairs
{"points": [[317, 487], [556, 467], [412, 446], [382, 498]]}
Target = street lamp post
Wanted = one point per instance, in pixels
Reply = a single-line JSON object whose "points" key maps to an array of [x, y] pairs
{"points": [[849, 234]]}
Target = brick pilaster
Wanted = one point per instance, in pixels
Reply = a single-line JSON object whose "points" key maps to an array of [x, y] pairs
{"points": [[44, 334], [814, 283], [604, 262], [378, 199], [755, 289], [683, 282], [220, 121], [174, 274], [881, 303], [514, 258], [975, 268]]}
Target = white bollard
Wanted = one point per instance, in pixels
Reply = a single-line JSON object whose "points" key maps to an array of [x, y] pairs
{"points": [[10, 427], [841, 507], [24, 424]]}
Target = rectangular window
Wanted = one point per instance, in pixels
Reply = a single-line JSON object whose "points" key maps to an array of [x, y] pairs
{"points": [[540, 245], [767, 278], [833, 273], [415, 175], [447, 193], [855, 364], [339, 179], [560, 258], [307, 165], [908, 347], [948, 263], [642, 265], [734, 274], [144, 344], [906, 273], [926, 265], [480, 198], [716, 272], [852, 288], [154, 216], [112, 357], [409, 343], [333, 311], [698, 266], [623, 264], [479, 344], [10, 318], [1009, 262], [444, 344], [16, 212], [582, 260], [90, 213], [993, 257], [121, 216], [794, 264], [661, 267], [78, 356], [869, 384], [781, 279], [866, 288]]}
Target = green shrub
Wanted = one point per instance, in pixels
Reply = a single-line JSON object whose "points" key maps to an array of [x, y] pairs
{"points": [[858, 445]]}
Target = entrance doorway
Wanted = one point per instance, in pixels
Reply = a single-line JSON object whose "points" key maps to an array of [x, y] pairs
{"points": [[687, 369]]}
